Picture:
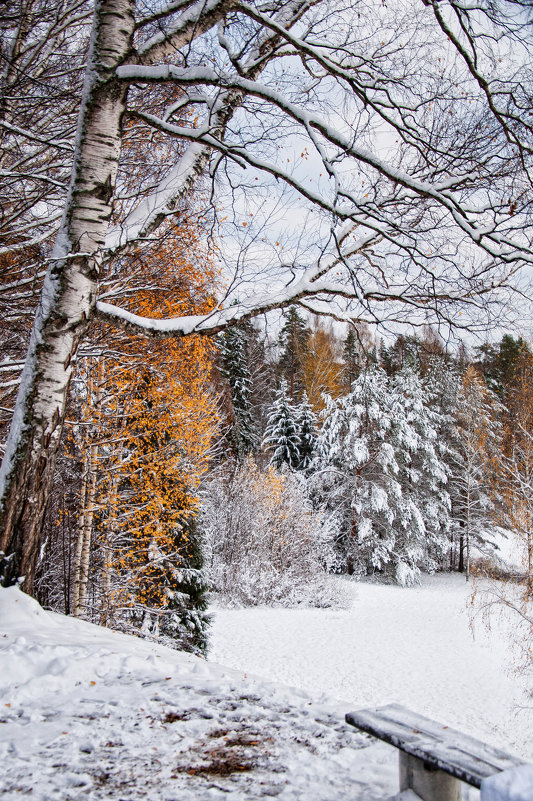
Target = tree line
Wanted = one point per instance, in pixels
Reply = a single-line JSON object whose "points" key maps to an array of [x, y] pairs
{"points": [[255, 465], [404, 443]]}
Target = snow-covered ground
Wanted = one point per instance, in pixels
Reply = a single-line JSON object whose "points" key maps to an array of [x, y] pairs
{"points": [[417, 646], [86, 713]]}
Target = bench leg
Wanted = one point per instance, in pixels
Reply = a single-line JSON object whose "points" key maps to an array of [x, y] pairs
{"points": [[429, 784]]}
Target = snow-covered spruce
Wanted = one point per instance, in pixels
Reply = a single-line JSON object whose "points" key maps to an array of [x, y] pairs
{"points": [[244, 436], [282, 434], [378, 469], [307, 431]]}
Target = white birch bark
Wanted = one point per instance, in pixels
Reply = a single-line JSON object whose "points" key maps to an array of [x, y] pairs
{"points": [[68, 296], [88, 506], [79, 541], [87, 530]]}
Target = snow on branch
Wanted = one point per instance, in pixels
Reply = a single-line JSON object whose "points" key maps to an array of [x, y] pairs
{"points": [[496, 244], [194, 21]]}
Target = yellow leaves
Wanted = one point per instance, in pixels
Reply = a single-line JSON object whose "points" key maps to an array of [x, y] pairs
{"points": [[158, 419], [322, 368]]}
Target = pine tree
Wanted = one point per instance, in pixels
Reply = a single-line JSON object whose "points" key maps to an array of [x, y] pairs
{"points": [[423, 470], [234, 368], [352, 359], [293, 341], [498, 364], [441, 386], [307, 425], [185, 621], [356, 472], [404, 353], [377, 464], [282, 432]]}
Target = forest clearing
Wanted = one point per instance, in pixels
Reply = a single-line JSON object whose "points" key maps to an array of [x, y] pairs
{"points": [[97, 714]]}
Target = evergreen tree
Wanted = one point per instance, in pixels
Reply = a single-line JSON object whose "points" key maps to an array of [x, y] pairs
{"points": [[498, 364], [306, 420], [441, 386], [404, 353], [378, 467], [263, 373], [424, 472], [234, 368], [293, 341], [356, 472], [352, 359], [282, 432], [411, 352], [185, 622]]}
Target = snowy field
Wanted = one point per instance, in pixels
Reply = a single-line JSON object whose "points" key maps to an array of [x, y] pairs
{"points": [[413, 646], [86, 713]]}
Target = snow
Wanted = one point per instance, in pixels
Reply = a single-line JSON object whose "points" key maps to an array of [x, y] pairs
{"points": [[411, 646], [512, 785], [94, 714]]}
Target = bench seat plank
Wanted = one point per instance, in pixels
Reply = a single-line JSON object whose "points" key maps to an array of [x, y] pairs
{"points": [[439, 746]]}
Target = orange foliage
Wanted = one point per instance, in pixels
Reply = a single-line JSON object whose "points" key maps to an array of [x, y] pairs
{"points": [[517, 465], [157, 422], [322, 367]]}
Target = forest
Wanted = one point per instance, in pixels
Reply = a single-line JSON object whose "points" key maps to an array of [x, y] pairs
{"points": [[264, 302]]}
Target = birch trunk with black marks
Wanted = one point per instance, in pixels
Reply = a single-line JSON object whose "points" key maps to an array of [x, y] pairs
{"points": [[106, 545], [87, 505], [68, 298], [81, 534]]}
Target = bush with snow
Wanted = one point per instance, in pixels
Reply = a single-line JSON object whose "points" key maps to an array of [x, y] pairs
{"points": [[263, 541]]}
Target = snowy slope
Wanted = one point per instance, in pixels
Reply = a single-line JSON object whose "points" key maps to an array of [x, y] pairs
{"points": [[86, 713], [416, 646]]}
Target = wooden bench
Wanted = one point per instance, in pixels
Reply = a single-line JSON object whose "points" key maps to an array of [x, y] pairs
{"points": [[434, 759]]}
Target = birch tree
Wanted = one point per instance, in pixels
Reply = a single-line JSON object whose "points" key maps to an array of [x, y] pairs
{"points": [[475, 468], [400, 133]]}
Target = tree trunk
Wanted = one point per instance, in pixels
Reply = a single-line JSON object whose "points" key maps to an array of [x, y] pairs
{"points": [[87, 530], [467, 528], [87, 501], [81, 534], [67, 299], [461, 565], [108, 543]]}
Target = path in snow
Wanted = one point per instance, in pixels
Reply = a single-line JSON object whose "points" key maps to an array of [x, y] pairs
{"points": [[87, 714], [413, 646]]}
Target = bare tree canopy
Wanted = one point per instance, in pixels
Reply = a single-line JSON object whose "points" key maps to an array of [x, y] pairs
{"points": [[367, 159]]}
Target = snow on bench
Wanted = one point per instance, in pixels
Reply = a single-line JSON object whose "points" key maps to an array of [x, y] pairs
{"points": [[435, 759]]}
